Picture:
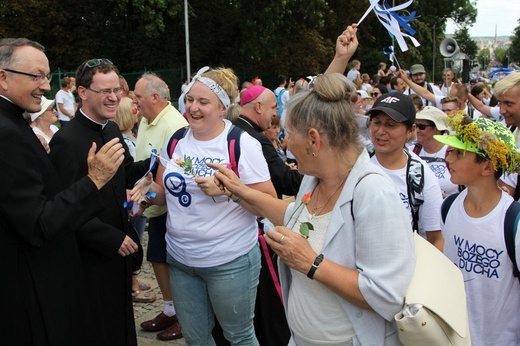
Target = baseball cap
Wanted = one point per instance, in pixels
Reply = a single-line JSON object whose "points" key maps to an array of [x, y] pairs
{"points": [[363, 94], [45, 103], [396, 105], [435, 115], [417, 68], [488, 139], [251, 93]]}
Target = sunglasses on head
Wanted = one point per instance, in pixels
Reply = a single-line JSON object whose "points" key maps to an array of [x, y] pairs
{"points": [[91, 64]]}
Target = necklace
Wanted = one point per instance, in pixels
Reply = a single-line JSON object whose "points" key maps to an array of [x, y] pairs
{"points": [[317, 209]]}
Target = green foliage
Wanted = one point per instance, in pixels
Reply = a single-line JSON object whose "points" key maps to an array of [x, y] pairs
{"points": [[484, 57], [514, 49], [254, 37], [466, 44], [501, 55]]}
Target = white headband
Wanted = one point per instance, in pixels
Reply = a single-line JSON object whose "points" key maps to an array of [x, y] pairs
{"points": [[211, 84]]}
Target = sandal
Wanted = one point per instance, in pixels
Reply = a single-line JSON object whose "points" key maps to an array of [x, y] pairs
{"points": [[147, 298]]}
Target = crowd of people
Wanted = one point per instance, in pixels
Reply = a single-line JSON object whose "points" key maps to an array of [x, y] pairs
{"points": [[274, 217]]}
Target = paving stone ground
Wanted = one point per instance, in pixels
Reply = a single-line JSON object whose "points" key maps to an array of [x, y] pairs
{"points": [[145, 311]]}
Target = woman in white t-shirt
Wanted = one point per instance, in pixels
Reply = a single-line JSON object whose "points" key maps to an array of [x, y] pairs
{"points": [[429, 122], [392, 124], [212, 246]]}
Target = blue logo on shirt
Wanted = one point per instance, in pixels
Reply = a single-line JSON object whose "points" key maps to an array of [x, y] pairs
{"points": [[176, 186]]}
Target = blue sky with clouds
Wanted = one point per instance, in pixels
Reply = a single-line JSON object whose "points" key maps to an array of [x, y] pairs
{"points": [[503, 14]]}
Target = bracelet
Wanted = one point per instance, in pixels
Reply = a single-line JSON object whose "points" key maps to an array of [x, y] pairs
{"points": [[315, 266], [234, 200]]}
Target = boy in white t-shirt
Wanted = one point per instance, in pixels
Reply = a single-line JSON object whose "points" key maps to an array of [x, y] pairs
{"points": [[474, 228]]}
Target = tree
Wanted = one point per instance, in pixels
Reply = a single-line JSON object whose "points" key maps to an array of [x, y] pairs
{"points": [[514, 49], [502, 55], [484, 58], [466, 44]]}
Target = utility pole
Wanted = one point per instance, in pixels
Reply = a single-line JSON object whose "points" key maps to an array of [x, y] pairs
{"points": [[187, 31]]}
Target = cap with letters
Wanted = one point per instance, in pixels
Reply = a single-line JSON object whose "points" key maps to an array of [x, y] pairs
{"points": [[396, 105]]}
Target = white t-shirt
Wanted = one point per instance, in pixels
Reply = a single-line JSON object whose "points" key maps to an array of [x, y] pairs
{"points": [[429, 219], [477, 247], [310, 302], [437, 163], [202, 232], [366, 86], [67, 99], [435, 90], [353, 74], [37, 131]]}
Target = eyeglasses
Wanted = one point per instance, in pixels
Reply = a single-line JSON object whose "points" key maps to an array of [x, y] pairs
{"points": [[91, 64], [107, 92], [375, 94], [38, 78], [423, 127]]}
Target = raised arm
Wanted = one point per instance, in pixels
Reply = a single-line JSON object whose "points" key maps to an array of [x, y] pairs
{"points": [[346, 45], [419, 90], [479, 105]]}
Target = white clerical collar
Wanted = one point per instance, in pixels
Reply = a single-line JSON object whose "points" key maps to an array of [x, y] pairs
{"points": [[96, 122]]}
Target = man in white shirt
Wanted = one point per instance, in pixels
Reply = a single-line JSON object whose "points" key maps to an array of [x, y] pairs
{"points": [[65, 101], [447, 81], [418, 74]]}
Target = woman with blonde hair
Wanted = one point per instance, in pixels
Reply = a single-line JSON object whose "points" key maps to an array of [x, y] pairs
{"points": [[126, 118], [212, 244]]}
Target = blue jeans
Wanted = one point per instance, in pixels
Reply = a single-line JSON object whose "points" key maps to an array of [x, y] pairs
{"points": [[227, 291]]}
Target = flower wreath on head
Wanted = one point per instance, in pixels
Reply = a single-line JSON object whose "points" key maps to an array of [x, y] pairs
{"points": [[493, 141]]}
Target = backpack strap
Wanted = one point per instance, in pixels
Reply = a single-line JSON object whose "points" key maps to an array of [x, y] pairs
{"points": [[174, 139], [233, 140], [510, 226], [430, 89], [446, 205], [516, 196], [415, 187]]}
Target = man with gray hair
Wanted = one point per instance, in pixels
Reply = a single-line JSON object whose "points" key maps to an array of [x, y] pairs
{"points": [[42, 278], [160, 120]]}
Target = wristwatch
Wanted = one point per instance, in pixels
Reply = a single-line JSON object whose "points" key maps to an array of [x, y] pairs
{"points": [[315, 266]]}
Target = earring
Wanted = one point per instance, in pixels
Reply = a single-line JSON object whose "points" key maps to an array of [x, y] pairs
{"points": [[314, 154]]}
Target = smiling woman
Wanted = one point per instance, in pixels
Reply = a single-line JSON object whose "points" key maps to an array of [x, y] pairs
{"points": [[392, 125], [212, 249]]}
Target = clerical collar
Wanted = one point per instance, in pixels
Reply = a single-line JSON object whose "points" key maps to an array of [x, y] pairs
{"points": [[2, 96], [96, 122]]}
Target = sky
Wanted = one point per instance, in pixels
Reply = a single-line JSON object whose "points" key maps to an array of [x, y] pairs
{"points": [[502, 13]]}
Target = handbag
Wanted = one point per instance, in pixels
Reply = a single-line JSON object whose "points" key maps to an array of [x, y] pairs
{"points": [[435, 311]]}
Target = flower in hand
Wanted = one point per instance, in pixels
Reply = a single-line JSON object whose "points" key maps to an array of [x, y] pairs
{"points": [[186, 165], [305, 227]]}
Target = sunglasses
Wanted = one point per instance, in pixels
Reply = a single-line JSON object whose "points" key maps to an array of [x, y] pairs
{"points": [[91, 64], [423, 127], [375, 94]]}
